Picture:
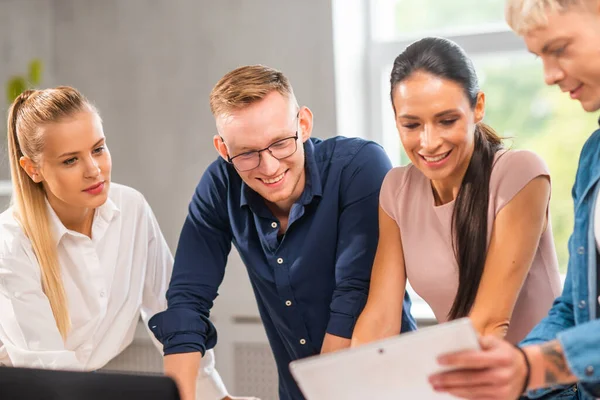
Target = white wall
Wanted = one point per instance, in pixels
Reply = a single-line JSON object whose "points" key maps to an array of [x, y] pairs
{"points": [[149, 65], [25, 33]]}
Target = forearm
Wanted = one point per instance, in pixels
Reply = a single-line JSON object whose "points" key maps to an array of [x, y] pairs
{"points": [[333, 343], [548, 365], [373, 325], [183, 368]]}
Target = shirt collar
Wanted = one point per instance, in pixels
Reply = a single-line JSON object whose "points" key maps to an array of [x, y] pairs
{"points": [[312, 188], [105, 212]]}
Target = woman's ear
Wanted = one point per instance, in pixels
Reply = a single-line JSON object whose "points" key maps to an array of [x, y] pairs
{"points": [[479, 107], [30, 169]]}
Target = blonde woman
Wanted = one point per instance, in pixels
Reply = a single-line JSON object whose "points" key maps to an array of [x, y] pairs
{"points": [[81, 258]]}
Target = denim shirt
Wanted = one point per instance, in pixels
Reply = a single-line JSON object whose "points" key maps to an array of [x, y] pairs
{"points": [[572, 319]]}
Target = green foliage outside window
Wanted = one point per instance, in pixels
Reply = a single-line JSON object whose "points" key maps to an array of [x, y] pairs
{"points": [[544, 120]]}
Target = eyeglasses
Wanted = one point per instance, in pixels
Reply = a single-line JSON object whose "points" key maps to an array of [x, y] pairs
{"points": [[280, 149]]}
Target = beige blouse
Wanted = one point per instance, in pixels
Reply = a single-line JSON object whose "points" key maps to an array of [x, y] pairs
{"points": [[431, 267]]}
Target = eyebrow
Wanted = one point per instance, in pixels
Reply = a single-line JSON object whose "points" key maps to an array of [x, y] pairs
{"points": [[546, 48], [72, 153], [440, 114]]}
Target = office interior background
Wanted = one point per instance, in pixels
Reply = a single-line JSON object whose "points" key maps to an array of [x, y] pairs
{"points": [[149, 66]]}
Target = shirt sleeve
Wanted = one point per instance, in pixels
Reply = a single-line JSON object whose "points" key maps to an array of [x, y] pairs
{"points": [[513, 170], [578, 341], [204, 245], [560, 324], [28, 329], [358, 234], [209, 384], [559, 318], [388, 198]]}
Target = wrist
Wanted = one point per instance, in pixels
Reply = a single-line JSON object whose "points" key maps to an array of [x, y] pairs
{"points": [[524, 370], [536, 373]]}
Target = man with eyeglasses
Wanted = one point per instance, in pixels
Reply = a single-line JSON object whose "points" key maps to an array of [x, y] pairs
{"points": [[303, 215]]}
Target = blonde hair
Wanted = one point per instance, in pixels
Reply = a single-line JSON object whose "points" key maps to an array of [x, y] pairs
{"points": [[524, 15], [30, 111], [247, 85]]}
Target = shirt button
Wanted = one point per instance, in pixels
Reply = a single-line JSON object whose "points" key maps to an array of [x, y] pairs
{"points": [[581, 250], [273, 225], [288, 303], [280, 261], [102, 293], [302, 341], [589, 370], [582, 304]]}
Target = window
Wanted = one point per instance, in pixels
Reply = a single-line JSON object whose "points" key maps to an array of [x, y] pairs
{"points": [[519, 105], [397, 19]]}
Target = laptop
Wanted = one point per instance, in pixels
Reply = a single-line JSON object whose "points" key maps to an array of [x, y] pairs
{"points": [[396, 367], [39, 384]]}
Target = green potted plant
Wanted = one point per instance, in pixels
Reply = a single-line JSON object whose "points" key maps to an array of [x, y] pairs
{"points": [[18, 84]]}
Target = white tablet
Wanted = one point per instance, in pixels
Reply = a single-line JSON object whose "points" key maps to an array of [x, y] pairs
{"points": [[396, 367]]}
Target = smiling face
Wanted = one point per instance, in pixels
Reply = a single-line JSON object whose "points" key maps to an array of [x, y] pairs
{"points": [[258, 126], [75, 165], [569, 47], [436, 124]]}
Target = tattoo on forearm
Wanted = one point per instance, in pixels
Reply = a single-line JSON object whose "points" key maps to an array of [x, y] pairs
{"points": [[555, 365], [550, 378]]}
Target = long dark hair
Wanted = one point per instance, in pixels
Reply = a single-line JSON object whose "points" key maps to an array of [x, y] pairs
{"points": [[445, 59]]}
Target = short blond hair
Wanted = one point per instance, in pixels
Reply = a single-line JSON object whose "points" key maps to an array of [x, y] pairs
{"points": [[247, 85], [524, 15]]}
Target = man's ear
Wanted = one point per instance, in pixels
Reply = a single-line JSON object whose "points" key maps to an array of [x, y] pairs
{"points": [[220, 147], [305, 123], [30, 169]]}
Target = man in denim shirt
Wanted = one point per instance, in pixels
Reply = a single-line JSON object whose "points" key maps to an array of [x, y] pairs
{"points": [[561, 357], [302, 213]]}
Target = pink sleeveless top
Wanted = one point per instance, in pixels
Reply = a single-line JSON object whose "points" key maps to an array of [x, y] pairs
{"points": [[431, 267]]}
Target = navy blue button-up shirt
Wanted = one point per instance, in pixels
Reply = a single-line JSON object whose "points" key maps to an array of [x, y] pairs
{"points": [[313, 280]]}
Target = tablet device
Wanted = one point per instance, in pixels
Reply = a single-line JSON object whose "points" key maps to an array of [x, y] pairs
{"points": [[396, 367]]}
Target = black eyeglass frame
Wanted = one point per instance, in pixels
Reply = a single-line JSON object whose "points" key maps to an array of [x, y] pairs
{"points": [[295, 137]]}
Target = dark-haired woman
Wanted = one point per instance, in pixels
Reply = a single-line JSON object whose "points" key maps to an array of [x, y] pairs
{"points": [[467, 222]]}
